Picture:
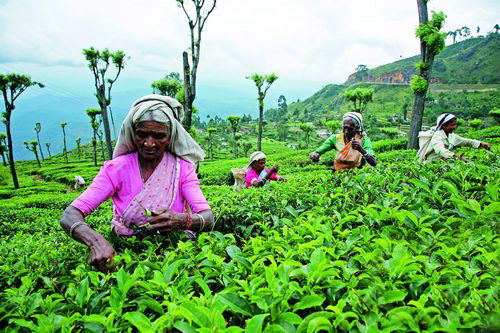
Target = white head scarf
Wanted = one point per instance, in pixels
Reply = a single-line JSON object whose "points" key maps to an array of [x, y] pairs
{"points": [[357, 118], [256, 156], [442, 120], [165, 110]]}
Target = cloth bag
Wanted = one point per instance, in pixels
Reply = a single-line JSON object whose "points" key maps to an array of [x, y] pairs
{"points": [[347, 158], [424, 141], [239, 175]]}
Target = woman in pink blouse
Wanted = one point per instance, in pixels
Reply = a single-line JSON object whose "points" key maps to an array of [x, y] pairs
{"points": [[151, 181], [257, 174]]}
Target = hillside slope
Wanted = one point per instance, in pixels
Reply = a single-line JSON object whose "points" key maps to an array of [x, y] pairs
{"points": [[475, 60], [465, 80]]}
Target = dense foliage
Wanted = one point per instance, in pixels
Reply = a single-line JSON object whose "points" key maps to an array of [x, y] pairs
{"points": [[399, 247]]}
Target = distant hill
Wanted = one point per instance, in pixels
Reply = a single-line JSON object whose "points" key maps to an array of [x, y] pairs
{"points": [[475, 60], [465, 80]]}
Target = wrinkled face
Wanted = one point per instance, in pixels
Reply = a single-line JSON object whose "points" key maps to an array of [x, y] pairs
{"points": [[259, 165], [349, 129], [151, 139], [450, 126]]}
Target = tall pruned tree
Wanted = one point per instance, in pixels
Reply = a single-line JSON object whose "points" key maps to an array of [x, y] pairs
{"points": [[12, 85], [93, 113], [431, 43], [31, 146], [496, 27], [307, 129], [465, 32], [47, 144], [170, 85], [360, 97], [78, 140], [263, 83], [101, 141], [3, 147], [197, 13], [99, 62], [211, 141], [246, 146], [453, 34], [234, 122], [38, 128], [65, 151]]}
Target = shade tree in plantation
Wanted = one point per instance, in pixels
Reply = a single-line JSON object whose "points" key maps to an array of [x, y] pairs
{"points": [[93, 113], [170, 85], [263, 83], [197, 13], [211, 141], [431, 44], [47, 144], [308, 130], [65, 151], [101, 141], [245, 147], [78, 140], [333, 125], [38, 128], [360, 97], [32, 146], [234, 122], [12, 85], [496, 27], [99, 63], [3, 147]]}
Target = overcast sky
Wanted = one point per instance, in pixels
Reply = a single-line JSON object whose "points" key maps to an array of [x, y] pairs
{"points": [[308, 43]]}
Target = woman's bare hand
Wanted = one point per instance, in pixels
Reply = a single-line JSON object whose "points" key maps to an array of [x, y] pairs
{"points": [[314, 156], [167, 221], [274, 169], [485, 145], [101, 255]]}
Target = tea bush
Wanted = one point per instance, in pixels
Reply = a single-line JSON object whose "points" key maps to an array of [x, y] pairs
{"points": [[399, 247]]}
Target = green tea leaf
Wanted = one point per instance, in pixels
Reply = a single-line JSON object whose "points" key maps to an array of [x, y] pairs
{"points": [[392, 296], [309, 302], [254, 325], [236, 303]]}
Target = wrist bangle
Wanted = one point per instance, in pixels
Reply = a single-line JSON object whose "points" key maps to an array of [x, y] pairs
{"points": [[74, 226], [189, 221]]}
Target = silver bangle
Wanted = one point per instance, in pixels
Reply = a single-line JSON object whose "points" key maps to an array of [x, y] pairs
{"points": [[202, 221], [74, 226]]}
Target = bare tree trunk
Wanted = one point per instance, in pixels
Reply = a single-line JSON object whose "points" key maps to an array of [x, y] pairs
{"points": [[102, 150], [105, 122], [94, 145], [3, 158], [37, 159], [419, 97], [261, 120], [11, 153], [235, 146], [40, 145], [48, 149], [188, 98], [65, 152]]}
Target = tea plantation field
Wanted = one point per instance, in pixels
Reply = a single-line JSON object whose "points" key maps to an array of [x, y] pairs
{"points": [[396, 248]]}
